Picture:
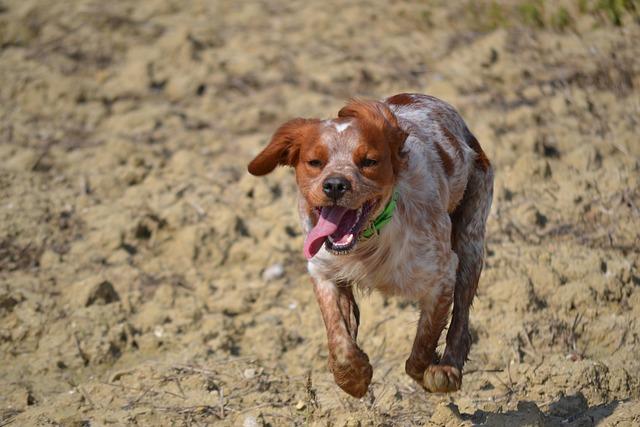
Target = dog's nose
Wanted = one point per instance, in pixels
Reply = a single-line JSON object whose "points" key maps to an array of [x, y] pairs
{"points": [[335, 187]]}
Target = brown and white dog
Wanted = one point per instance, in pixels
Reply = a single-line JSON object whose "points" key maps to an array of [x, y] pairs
{"points": [[408, 171]]}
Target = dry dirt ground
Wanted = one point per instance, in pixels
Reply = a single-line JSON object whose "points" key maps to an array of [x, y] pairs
{"points": [[146, 278]]}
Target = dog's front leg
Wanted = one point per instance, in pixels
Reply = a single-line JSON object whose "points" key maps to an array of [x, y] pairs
{"points": [[433, 317], [423, 364], [349, 365]]}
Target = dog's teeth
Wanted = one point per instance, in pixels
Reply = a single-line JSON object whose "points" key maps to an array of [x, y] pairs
{"points": [[349, 240], [341, 245]]}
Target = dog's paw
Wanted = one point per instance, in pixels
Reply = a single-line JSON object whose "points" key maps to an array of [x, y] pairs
{"points": [[442, 379], [352, 372]]}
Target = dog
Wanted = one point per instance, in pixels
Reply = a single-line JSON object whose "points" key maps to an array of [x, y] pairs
{"points": [[394, 195]]}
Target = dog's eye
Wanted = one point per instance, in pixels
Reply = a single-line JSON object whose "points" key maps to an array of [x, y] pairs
{"points": [[315, 163], [367, 163]]}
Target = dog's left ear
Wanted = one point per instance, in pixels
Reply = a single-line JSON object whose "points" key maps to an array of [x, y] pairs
{"points": [[378, 121], [284, 146]]}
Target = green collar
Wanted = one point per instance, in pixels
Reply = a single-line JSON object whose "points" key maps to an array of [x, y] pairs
{"points": [[376, 225]]}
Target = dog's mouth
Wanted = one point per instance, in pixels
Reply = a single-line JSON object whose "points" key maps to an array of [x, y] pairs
{"points": [[338, 228]]}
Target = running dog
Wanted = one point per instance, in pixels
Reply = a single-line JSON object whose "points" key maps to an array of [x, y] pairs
{"points": [[393, 195]]}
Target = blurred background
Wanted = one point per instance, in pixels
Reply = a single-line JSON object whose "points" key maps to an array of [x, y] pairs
{"points": [[146, 278]]}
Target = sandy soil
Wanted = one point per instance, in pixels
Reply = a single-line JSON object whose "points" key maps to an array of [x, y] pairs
{"points": [[146, 278]]}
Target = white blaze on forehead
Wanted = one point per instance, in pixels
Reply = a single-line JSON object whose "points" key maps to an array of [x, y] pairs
{"points": [[341, 144], [341, 127]]}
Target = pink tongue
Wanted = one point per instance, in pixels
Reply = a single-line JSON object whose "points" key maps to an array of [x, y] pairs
{"points": [[330, 217]]}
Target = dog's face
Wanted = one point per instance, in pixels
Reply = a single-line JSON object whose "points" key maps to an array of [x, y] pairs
{"points": [[345, 169]]}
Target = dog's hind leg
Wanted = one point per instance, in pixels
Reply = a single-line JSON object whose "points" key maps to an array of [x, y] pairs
{"points": [[349, 365], [468, 221]]}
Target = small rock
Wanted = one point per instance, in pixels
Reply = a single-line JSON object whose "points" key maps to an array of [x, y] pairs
{"points": [[158, 331], [249, 373], [250, 421], [300, 405], [8, 302], [93, 291], [103, 293], [276, 271]]}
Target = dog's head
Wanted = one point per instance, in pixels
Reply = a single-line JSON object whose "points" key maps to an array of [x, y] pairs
{"points": [[345, 169]]}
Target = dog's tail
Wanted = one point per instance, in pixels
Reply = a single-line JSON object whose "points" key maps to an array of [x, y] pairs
{"points": [[467, 240]]}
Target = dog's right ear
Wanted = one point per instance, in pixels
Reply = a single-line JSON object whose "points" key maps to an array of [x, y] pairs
{"points": [[284, 146]]}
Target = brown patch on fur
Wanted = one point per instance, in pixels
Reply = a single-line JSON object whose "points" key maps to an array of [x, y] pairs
{"points": [[447, 163], [481, 160], [284, 146], [401, 99], [382, 173], [453, 141], [379, 126]]}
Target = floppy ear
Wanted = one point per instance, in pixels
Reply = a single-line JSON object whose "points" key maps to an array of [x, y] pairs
{"points": [[377, 120], [284, 146]]}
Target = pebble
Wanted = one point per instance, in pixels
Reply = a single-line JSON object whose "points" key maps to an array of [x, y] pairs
{"points": [[158, 331], [276, 271], [250, 421]]}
